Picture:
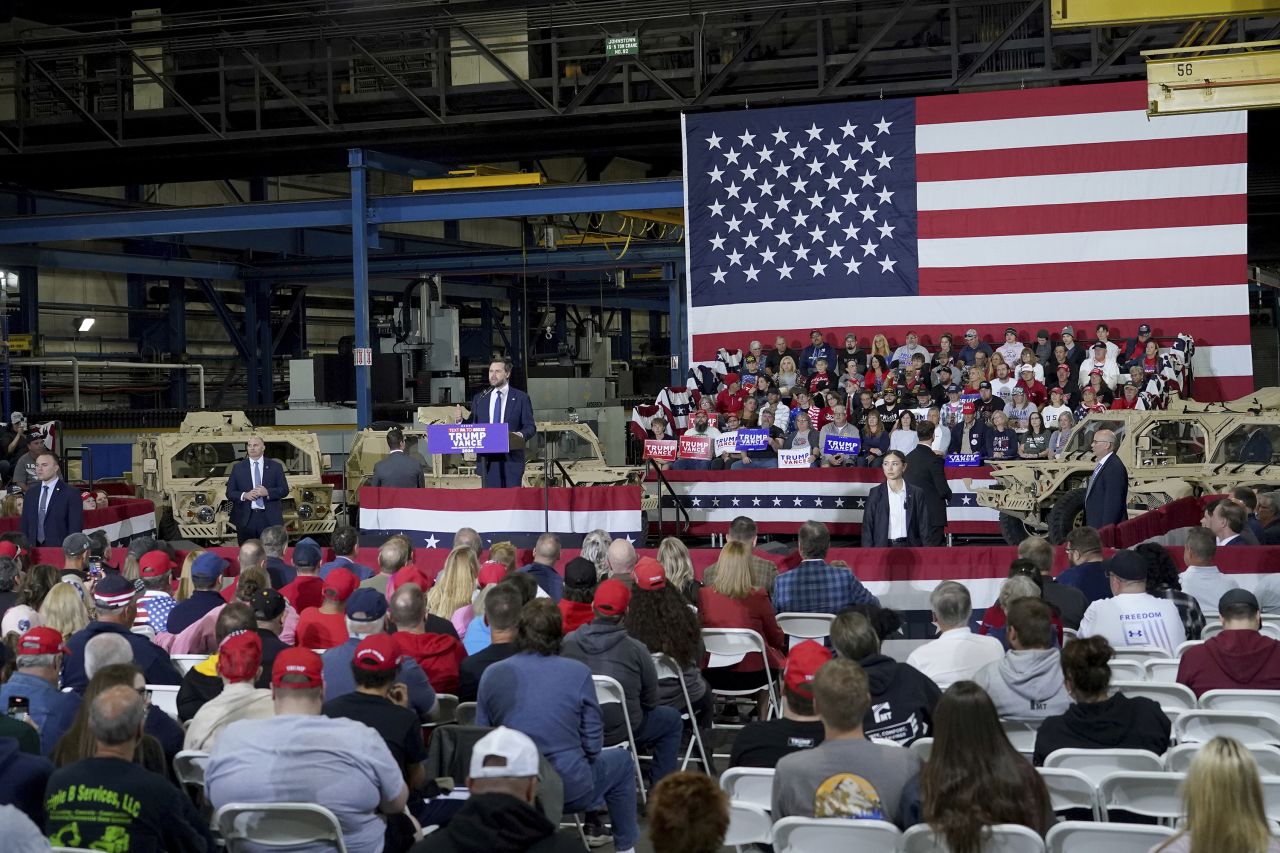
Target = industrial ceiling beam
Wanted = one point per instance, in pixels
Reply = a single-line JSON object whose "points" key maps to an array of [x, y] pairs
{"points": [[998, 41], [869, 45], [398, 83], [1109, 13], [117, 262]]}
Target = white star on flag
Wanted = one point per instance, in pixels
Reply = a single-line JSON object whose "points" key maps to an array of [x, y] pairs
{"points": [[432, 541]]}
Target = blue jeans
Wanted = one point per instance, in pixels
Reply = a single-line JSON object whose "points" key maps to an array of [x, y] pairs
{"points": [[756, 463], [661, 731], [615, 783], [691, 465]]}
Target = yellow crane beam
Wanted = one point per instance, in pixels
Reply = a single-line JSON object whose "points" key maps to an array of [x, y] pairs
{"points": [[1107, 13], [1208, 79]]}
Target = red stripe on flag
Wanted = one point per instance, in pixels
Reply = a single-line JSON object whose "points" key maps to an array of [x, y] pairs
{"points": [[1092, 275], [1015, 103], [581, 498], [1089, 157], [1096, 216], [1206, 388]]}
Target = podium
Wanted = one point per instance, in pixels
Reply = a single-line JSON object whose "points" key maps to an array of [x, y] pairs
{"points": [[480, 439]]}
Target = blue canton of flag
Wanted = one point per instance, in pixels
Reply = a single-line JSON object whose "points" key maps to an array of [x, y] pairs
{"points": [[802, 203]]}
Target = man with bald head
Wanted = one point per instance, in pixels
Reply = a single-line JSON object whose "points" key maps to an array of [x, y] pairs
{"points": [[107, 802], [1107, 494], [256, 488], [621, 559], [470, 538]]}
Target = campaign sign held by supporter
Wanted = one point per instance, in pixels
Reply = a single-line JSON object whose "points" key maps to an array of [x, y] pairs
{"points": [[837, 445], [663, 450], [468, 438], [800, 458], [752, 439], [963, 460], [727, 443], [695, 447]]}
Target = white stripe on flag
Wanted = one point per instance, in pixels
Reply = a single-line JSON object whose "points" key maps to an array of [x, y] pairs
{"points": [[1083, 187], [1078, 129], [1081, 246], [499, 521], [1223, 361]]}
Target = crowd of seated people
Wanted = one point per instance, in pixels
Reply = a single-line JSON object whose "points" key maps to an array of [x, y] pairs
{"points": [[1013, 401], [341, 723]]}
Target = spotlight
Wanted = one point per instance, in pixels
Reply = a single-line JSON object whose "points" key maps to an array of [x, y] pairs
{"points": [[84, 324]]}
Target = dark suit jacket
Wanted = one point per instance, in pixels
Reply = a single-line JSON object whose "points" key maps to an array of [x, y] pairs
{"points": [[505, 469], [63, 516], [926, 472], [241, 481], [1271, 533], [875, 518], [398, 471], [1106, 501]]}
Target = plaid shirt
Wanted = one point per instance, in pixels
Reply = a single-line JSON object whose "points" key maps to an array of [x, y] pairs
{"points": [[1188, 609], [816, 587]]}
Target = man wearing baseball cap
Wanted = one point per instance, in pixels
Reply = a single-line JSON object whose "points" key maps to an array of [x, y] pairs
{"points": [[156, 570], [206, 578], [115, 600], [269, 611], [605, 646], [306, 590], [239, 665], [1132, 616], [302, 756], [325, 626], [40, 655], [1240, 657], [762, 742], [503, 781]]}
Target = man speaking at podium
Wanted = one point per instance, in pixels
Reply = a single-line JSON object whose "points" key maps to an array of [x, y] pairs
{"points": [[502, 404]]}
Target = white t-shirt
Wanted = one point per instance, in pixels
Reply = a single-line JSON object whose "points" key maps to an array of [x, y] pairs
{"points": [[941, 440], [1020, 415], [1050, 415], [1003, 388], [1206, 585], [1135, 619], [1011, 352], [904, 440], [956, 655]]}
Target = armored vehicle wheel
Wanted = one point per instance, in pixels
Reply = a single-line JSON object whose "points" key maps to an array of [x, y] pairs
{"points": [[1014, 529], [1067, 514]]}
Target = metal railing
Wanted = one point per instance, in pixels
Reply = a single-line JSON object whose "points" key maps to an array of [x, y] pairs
{"points": [[77, 365]]}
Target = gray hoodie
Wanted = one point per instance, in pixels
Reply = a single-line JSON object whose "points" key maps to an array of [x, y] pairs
{"points": [[606, 647], [1025, 684]]}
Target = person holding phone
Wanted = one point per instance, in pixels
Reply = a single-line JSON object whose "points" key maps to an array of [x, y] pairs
{"points": [[33, 689]]}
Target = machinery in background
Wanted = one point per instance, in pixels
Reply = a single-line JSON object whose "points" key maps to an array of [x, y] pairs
{"points": [[185, 475]]}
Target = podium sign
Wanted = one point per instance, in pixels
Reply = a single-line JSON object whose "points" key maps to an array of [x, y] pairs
{"points": [[468, 438]]}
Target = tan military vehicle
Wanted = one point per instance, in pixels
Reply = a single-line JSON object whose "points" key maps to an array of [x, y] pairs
{"points": [[1189, 449], [185, 474], [574, 446]]}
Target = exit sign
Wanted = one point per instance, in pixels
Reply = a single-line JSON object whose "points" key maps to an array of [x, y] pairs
{"points": [[622, 46]]}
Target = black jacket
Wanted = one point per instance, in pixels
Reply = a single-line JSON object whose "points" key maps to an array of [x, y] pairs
{"points": [[875, 518], [1121, 722], [1105, 503], [925, 471], [498, 823], [902, 700]]}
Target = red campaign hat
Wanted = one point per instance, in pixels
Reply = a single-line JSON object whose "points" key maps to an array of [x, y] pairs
{"points": [[611, 598], [490, 573], [297, 661], [10, 550], [1097, 371], [41, 641], [340, 583], [803, 663], [650, 574], [1056, 391], [154, 564], [377, 653], [730, 378], [968, 408], [239, 656]]}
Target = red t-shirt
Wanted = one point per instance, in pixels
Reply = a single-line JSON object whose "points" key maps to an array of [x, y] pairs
{"points": [[1037, 394], [1121, 403], [304, 592], [819, 382], [318, 630]]}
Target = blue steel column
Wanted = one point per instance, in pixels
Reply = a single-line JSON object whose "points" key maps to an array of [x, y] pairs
{"points": [[360, 277]]}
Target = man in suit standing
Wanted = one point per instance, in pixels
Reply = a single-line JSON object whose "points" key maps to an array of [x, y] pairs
{"points": [[896, 515], [52, 510], [926, 471], [255, 488], [1107, 494], [502, 404], [398, 470]]}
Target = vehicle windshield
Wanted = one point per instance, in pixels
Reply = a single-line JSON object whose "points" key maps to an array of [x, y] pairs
{"points": [[214, 458], [1250, 443], [566, 446], [1082, 438]]}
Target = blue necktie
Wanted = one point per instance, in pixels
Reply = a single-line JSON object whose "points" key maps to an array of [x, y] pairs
{"points": [[497, 409]]}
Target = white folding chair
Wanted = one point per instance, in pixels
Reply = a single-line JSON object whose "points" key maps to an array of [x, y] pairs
{"points": [[1070, 789], [1269, 629], [1098, 764], [1251, 728], [1138, 653], [748, 824], [610, 692], [1161, 670], [189, 765], [806, 626], [1022, 734], [185, 663], [669, 669], [1155, 795], [1173, 699], [165, 697], [1001, 838], [727, 647], [1182, 647], [446, 710], [1127, 670], [1081, 836], [752, 785], [277, 825], [465, 714], [820, 834], [922, 747], [1266, 701], [1178, 758]]}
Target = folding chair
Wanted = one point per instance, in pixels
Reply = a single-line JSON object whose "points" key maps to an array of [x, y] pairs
{"points": [[1070, 789], [1138, 653], [1001, 838], [277, 825], [609, 692], [189, 765], [1022, 734], [820, 834], [1155, 795], [1173, 699], [165, 697], [1127, 670], [1178, 759], [1251, 728], [922, 747], [1161, 670], [1182, 647], [1081, 836], [465, 714], [446, 709], [669, 669], [727, 647], [185, 663], [1269, 629], [752, 785], [748, 824], [806, 626], [1098, 764], [1265, 701]]}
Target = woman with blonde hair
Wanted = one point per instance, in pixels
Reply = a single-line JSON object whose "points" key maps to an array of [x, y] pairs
{"points": [[456, 584], [1222, 800], [675, 560], [787, 375], [185, 584], [64, 610], [595, 547], [12, 506], [880, 346]]}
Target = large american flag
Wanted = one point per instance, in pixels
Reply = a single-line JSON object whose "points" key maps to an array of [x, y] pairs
{"points": [[1033, 209]]}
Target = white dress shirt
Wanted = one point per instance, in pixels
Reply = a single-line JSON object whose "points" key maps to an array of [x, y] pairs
{"points": [[956, 655], [505, 390], [897, 511]]}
